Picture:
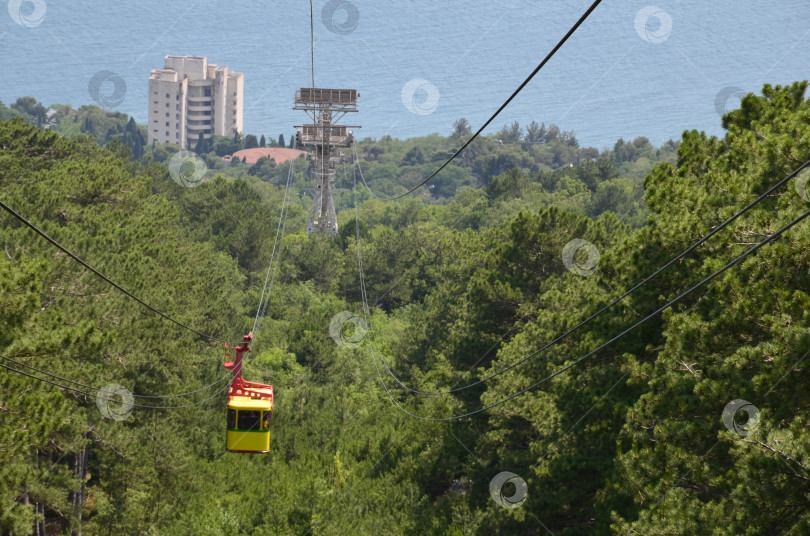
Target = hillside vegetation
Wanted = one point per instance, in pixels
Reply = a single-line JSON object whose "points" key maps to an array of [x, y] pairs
{"points": [[462, 280]]}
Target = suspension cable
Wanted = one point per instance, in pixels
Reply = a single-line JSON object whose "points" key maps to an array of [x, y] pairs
{"points": [[282, 223], [282, 217], [74, 382], [145, 406], [100, 275], [312, 42], [598, 313], [500, 109], [669, 304], [280, 246]]}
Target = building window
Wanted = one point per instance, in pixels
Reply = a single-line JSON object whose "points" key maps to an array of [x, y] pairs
{"points": [[167, 114], [176, 106], [177, 125], [154, 102], [167, 132], [177, 97], [167, 105], [207, 112], [207, 93], [167, 123], [167, 95], [176, 135], [177, 116]]}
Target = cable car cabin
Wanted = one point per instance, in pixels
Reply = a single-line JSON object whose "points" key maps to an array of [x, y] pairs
{"points": [[250, 407], [249, 421]]}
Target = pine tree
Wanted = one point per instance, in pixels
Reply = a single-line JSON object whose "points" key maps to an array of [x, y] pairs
{"points": [[200, 147]]}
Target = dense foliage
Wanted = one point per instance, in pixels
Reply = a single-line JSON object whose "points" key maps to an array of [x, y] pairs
{"points": [[462, 281]]}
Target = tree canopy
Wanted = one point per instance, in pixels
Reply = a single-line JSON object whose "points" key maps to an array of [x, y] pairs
{"points": [[517, 243]]}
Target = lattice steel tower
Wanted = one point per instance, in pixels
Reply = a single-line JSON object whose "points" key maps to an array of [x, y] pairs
{"points": [[324, 106]]}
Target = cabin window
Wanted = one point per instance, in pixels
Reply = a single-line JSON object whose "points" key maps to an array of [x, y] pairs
{"points": [[266, 420], [231, 419], [249, 420]]}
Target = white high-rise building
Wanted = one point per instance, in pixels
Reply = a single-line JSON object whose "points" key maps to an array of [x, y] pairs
{"points": [[189, 96]]}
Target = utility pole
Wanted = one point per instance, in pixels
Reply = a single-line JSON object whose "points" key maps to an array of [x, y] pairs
{"points": [[325, 138]]}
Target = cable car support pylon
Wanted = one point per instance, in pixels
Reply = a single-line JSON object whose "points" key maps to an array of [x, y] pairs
{"points": [[324, 106]]}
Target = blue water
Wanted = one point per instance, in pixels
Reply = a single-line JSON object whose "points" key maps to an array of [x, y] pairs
{"points": [[606, 82]]}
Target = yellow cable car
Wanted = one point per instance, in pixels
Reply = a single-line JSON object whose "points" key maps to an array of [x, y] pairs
{"points": [[248, 424], [250, 407]]}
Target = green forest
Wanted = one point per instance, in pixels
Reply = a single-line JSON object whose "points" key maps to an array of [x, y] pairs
{"points": [[694, 421]]}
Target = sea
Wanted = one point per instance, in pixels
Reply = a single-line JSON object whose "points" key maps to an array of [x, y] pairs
{"points": [[631, 69]]}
